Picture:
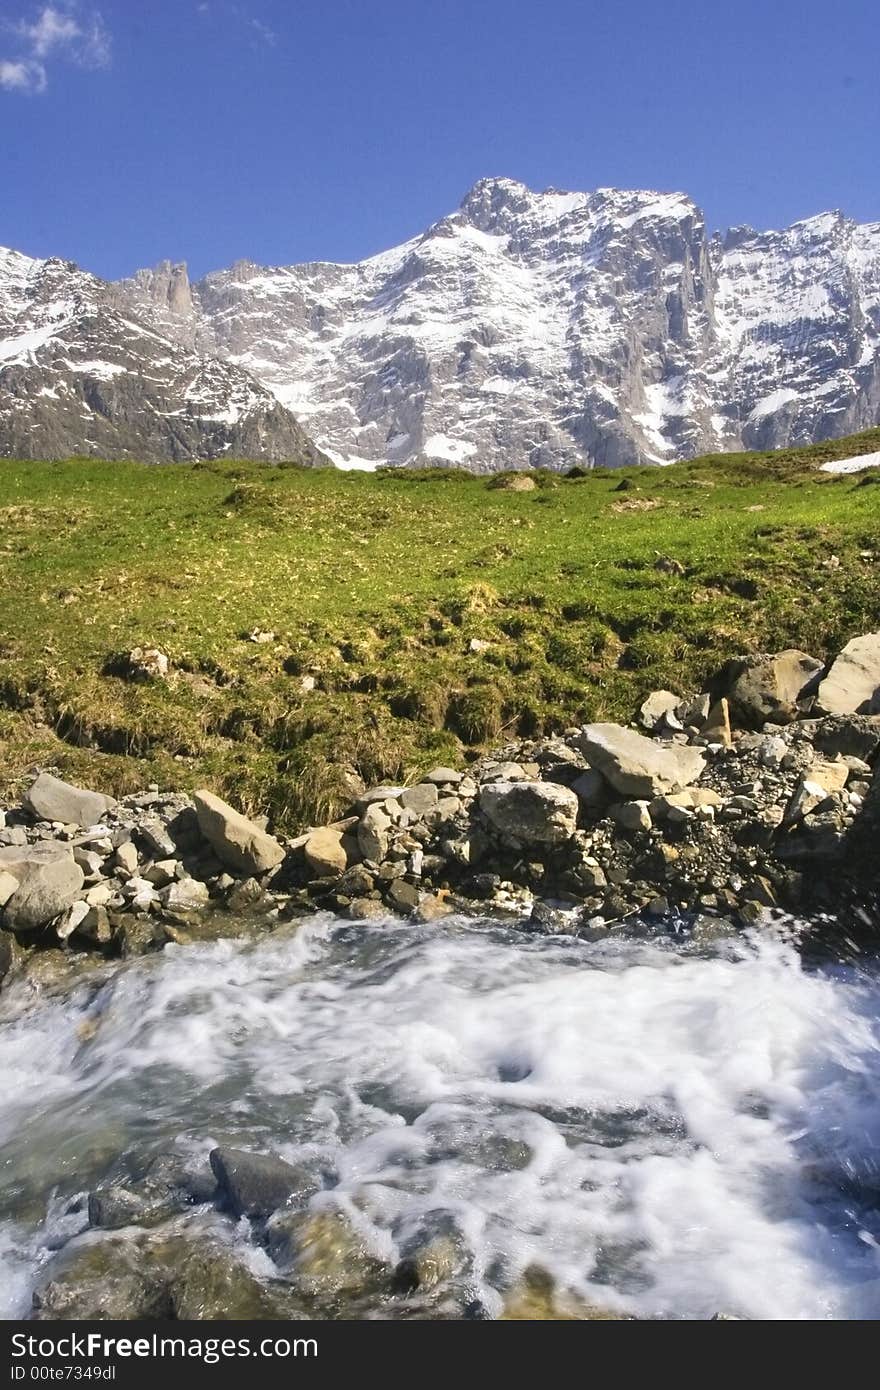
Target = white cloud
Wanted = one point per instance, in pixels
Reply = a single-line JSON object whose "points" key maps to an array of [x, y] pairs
{"points": [[22, 76], [65, 33], [51, 29], [263, 31], [225, 10]]}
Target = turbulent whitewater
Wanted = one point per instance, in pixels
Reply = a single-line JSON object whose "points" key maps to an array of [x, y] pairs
{"points": [[666, 1131]]}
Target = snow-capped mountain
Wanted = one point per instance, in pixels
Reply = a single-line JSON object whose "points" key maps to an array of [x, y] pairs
{"points": [[524, 330], [82, 374], [531, 329]]}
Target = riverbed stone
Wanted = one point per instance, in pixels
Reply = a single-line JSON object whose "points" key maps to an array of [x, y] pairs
{"points": [[237, 841], [377, 795], [255, 1185], [50, 799], [326, 1255], [206, 1282], [184, 895], [48, 881], [126, 857], [325, 853], [8, 886], [717, 726], [530, 812], [157, 839], [636, 766], [71, 918], [631, 815], [112, 1208], [403, 897], [831, 774], [688, 800], [103, 1281], [248, 895], [431, 908], [852, 685], [535, 1298], [365, 909], [92, 864]]}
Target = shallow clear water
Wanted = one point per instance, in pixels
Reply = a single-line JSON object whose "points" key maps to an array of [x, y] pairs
{"points": [[667, 1133]]}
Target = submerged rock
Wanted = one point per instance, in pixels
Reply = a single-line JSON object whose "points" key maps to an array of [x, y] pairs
{"points": [[536, 1299], [256, 1185], [101, 1281], [207, 1282], [325, 1254]]}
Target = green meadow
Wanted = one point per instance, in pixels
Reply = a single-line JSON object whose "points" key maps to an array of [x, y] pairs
{"points": [[414, 617]]}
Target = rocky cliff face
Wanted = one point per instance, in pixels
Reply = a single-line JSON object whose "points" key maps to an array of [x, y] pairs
{"points": [[80, 373], [524, 330], [550, 329]]}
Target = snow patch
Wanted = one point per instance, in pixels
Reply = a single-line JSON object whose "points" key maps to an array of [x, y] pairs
{"points": [[852, 465], [440, 446], [768, 405]]}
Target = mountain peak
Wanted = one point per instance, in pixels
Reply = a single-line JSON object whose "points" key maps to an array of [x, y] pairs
{"points": [[526, 329]]}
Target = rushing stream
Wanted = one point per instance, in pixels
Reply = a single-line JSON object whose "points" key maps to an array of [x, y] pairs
{"points": [[668, 1132]]}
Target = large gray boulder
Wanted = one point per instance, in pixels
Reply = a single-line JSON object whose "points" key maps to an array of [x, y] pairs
{"points": [[852, 685], [636, 766], [530, 812], [770, 688], [240, 844], [49, 880], [48, 798]]}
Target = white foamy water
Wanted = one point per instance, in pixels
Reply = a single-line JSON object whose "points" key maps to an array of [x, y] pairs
{"points": [[670, 1134]]}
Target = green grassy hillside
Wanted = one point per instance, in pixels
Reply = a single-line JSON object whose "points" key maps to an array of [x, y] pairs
{"points": [[434, 612]]}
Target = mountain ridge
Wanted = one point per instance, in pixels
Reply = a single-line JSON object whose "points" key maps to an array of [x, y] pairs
{"points": [[552, 329], [81, 374]]}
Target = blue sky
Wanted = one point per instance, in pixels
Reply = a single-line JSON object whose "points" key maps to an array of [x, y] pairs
{"points": [[288, 130]]}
